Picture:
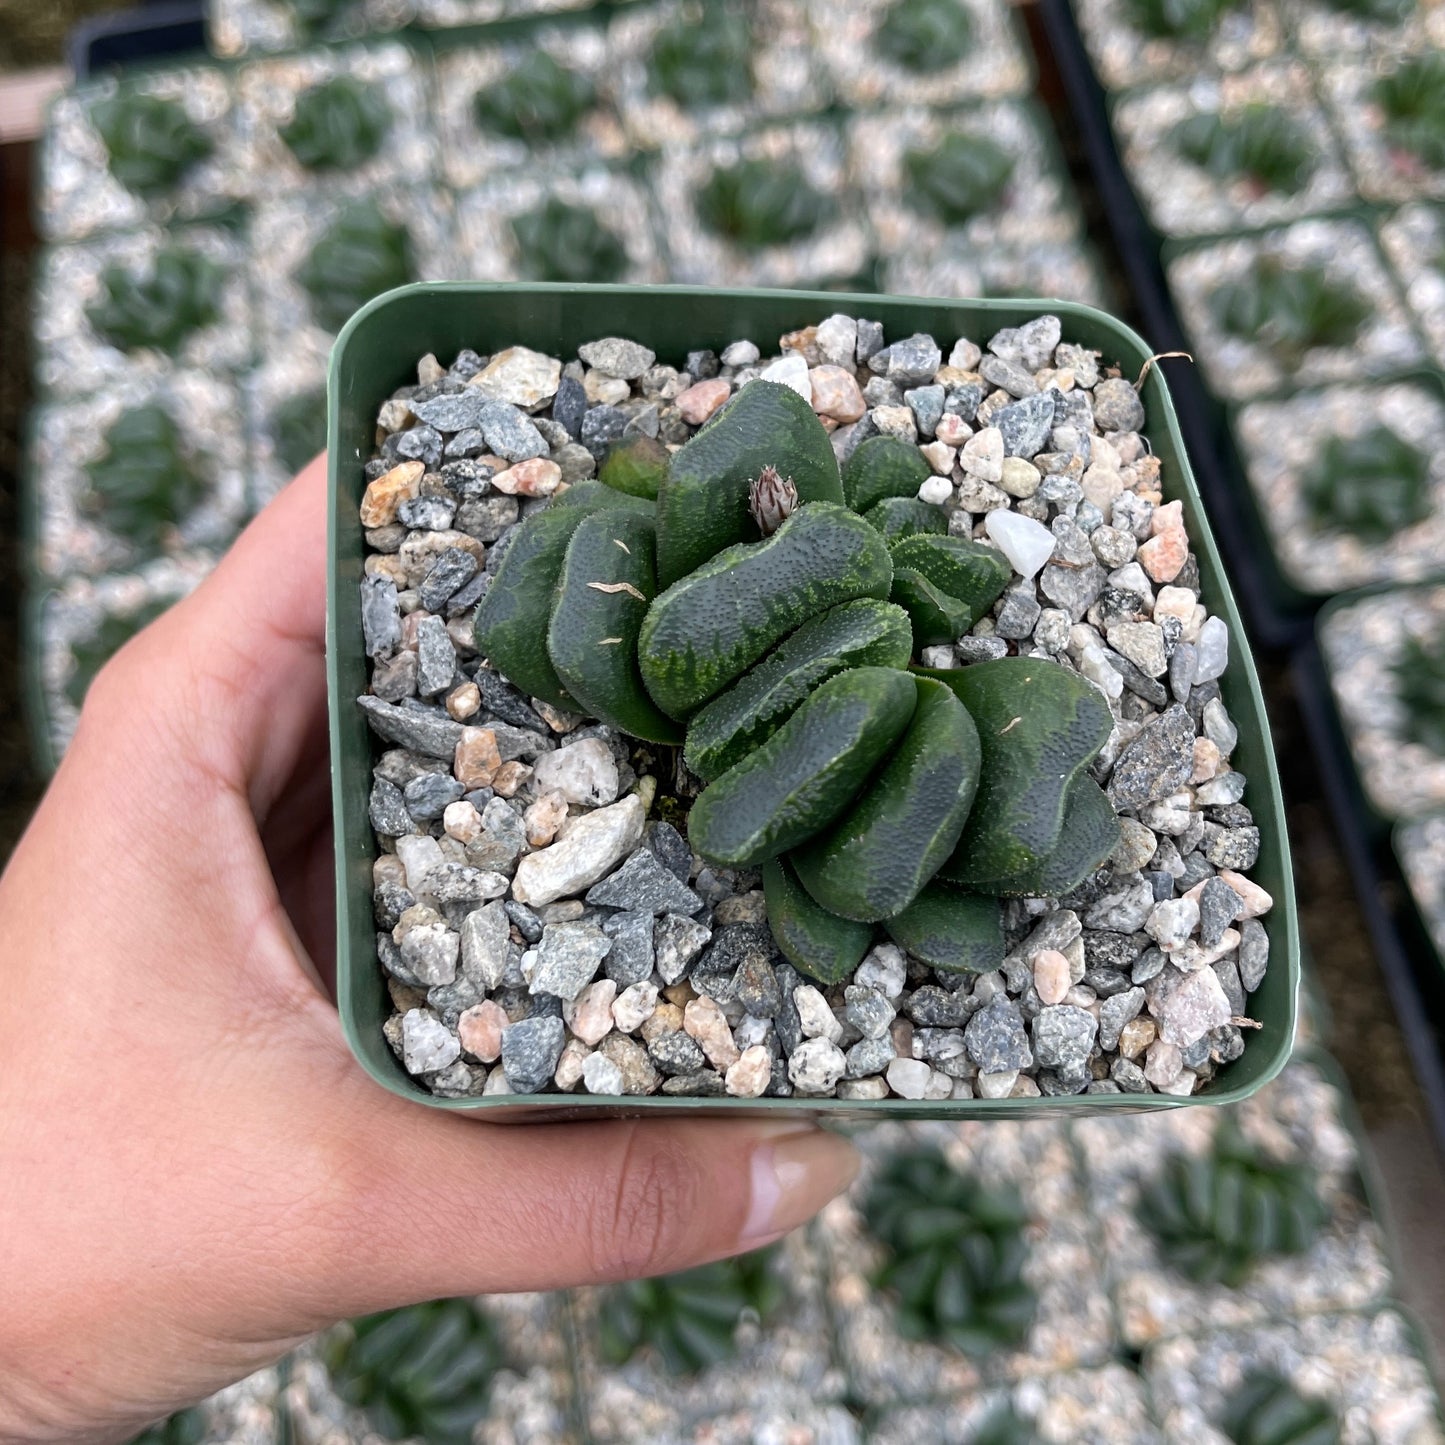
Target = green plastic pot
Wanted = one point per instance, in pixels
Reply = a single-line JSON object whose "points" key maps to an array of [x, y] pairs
{"points": [[377, 352]]}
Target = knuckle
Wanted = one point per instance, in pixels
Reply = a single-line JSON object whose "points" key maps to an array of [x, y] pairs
{"points": [[644, 1221]]}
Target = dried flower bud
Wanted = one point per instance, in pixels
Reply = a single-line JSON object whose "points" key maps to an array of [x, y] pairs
{"points": [[772, 500]]}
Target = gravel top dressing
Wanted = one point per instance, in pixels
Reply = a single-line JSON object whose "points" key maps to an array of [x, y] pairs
{"points": [[565, 904]]}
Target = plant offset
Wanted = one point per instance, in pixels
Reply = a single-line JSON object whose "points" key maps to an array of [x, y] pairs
{"points": [[734, 747]]}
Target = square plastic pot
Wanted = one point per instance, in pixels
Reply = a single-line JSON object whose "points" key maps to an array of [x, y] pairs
{"points": [[377, 351]]}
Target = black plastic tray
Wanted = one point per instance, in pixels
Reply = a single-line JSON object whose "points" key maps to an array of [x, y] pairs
{"points": [[156, 31], [1273, 619], [1413, 975]]}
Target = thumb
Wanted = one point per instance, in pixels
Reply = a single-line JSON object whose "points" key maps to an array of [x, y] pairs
{"points": [[427, 1204]]}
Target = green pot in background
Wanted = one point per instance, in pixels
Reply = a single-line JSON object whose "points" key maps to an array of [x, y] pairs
{"points": [[377, 351]]}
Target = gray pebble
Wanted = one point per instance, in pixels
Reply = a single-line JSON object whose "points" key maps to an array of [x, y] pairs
{"points": [[1219, 906], [676, 1053], [1117, 406], [1063, 1038], [1218, 727], [1026, 424], [1073, 588], [429, 796], [1018, 613], [568, 958], [1182, 666], [1157, 763], [704, 1084], [436, 657], [425, 730], [677, 941], [935, 1007], [1149, 965], [511, 434], [1008, 375], [617, 356], [452, 411], [569, 406], [912, 361], [1129, 1076], [868, 1010], [389, 814], [1115, 1012], [631, 957], [996, 1039], [602, 426], [642, 884], [1235, 848], [1122, 911], [530, 1050], [870, 341], [868, 1056], [671, 849], [380, 617], [1031, 345], [926, 404], [451, 571], [702, 365], [1253, 953], [981, 649]]}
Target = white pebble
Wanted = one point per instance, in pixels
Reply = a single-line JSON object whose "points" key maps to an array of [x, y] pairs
{"points": [[885, 968], [634, 1006], [741, 353], [426, 1043], [817, 1019], [791, 370], [1026, 543], [601, 1075], [750, 1030], [936, 490], [583, 772], [1171, 922], [997, 1086], [982, 455], [1096, 667], [908, 1078], [816, 1065], [1213, 650]]}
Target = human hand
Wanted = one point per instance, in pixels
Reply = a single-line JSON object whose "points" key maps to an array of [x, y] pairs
{"points": [[194, 1173]]}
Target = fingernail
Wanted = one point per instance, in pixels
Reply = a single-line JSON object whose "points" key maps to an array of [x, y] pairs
{"points": [[796, 1170]]}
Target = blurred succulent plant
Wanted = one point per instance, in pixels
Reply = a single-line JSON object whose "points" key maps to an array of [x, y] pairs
{"points": [[424, 1371], [759, 203], [299, 427], [185, 1427], [1372, 486], [925, 35], [151, 141], [559, 242], [362, 254], [1420, 685], [1267, 1410], [1385, 11], [691, 1318], [160, 309], [145, 481], [1412, 97], [1188, 20], [1217, 1215], [703, 57], [338, 124], [1289, 309], [959, 178], [955, 1254], [314, 16], [538, 100], [1005, 1426], [89, 655], [1261, 144]]}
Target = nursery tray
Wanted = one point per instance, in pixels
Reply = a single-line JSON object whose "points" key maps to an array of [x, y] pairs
{"points": [[137, 37], [1413, 973], [1277, 618], [376, 352]]}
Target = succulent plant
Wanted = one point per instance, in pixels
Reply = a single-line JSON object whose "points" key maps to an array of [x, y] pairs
{"points": [[744, 597], [1412, 97], [537, 101], [762, 203], [924, 36], [704, 57], [1290, 309], [185, 1427], [299, 427], [338, 124], [1267, 1410], [421, 1372], [151, 141], [690, 1319], [561, 242], [161, 309], [89, 655], [1262, 144], [1219, 1214], [959, 178], [1187, 20], [1372, 486], [145, 481], [1419, 673], [362, 254], [956, 1252]]}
